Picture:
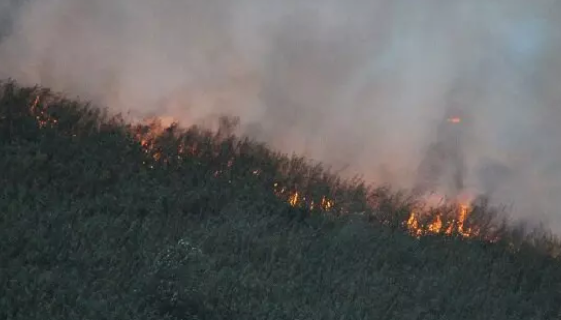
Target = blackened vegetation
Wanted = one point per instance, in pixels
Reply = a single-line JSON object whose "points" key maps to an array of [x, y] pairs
{"points": [[94, 225]]}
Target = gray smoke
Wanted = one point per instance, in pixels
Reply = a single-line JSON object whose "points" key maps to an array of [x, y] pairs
{"points": [[363, 85]]}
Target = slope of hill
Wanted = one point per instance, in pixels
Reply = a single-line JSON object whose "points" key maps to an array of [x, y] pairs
{"points": [[100, 219]]}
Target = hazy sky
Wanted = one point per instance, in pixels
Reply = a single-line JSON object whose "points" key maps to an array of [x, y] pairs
{"points": [[352, 83]]}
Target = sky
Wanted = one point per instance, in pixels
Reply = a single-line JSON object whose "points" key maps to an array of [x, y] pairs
{"points": [[359, 85]]}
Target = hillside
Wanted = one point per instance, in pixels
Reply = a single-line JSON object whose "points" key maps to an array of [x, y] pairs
{"points": [[101, 219]]}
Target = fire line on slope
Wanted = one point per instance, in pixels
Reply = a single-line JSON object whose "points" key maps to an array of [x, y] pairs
{"points": [[147, 141]]}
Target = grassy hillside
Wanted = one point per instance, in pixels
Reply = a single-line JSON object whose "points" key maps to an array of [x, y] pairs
{"points": [[100, 219]]}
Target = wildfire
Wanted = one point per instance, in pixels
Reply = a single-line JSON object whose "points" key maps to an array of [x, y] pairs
{"points": [[147, 138], [455, 224], [147, 141], [296, 199], [417, 222], [40, 114], [293, 199]]}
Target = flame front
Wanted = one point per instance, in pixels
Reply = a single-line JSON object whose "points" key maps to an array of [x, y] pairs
{"points": [[436, 226], [147, 141], [295, 198]]}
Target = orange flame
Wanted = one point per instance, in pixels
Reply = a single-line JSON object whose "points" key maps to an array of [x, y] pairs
{"points": [[293, 199], [296, 199], [455, 225]]}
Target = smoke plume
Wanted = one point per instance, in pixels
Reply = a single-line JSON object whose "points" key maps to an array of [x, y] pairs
{"points": [[361, 85]]}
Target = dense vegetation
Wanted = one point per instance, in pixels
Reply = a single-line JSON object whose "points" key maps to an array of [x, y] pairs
{"points": [[101, 220]]}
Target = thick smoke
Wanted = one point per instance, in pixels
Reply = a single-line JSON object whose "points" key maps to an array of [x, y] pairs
{"points": [[362, 85]]}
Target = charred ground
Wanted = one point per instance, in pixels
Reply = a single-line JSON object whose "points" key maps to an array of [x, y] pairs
{"points": [[96, 225]]}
